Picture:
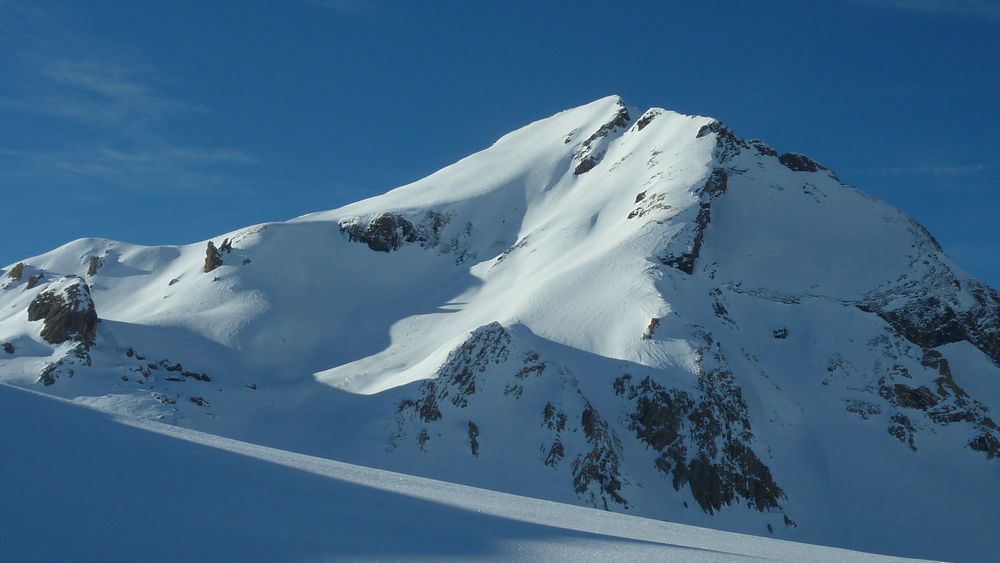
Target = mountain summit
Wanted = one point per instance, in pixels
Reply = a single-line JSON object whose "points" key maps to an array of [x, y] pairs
{"points": [[637, 311]]}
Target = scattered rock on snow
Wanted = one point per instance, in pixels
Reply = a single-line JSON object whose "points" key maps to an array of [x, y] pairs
{"points": [[34, 280], [213, 259], [16, 272], [474, 438], [94, 264], [650, 328]]}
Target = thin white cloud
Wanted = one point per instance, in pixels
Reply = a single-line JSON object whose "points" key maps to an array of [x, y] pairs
{"points": [[342, 6], [92, 91], [934, 169], [139, 169], [981, 9], [169, 155], [117, 112]]}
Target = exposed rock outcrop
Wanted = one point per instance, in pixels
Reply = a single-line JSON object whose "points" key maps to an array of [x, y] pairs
{"points": [[654, 202], [489, 362], [586, 164], [762, 148], [650, 328], [704, 442], [77, 357], [799, 162], [592, 150], [16, 272], [703, 439], [34, 280], [912, 400], [727, 144], [68, 313], [933, 311], [685, 248], [986, 443], [474, 438], [387, 232], [456, 379], [902, 429], [597, 472], [646, 119], [94, 264], [213, 258]]}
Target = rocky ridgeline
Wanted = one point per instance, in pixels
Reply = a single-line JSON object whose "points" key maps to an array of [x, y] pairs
{"points": [[458, 377], [728, 146], [936, 310], [684, 248], [476, 374], [591, 151], [702, 438], [925, 310], [911, 389]]}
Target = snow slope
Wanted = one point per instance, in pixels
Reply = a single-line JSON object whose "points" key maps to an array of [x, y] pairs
{"points": [[80, 485], [635, 311]]}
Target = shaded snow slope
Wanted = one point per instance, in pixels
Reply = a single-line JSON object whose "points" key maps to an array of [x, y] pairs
{"points": [[80, 485], [635, 311]]}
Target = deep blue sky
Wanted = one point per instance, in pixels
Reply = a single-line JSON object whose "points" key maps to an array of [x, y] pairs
{"points": [[174, 121]]}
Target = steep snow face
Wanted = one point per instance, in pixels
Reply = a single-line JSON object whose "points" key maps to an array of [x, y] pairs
{"points": [[538, 233], [630, 310]]}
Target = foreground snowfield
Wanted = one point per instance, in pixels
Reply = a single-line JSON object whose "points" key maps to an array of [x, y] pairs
{"points": [[79, 485]]}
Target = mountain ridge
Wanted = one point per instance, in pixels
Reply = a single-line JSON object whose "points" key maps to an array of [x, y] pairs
{"points": [[642, 313]]}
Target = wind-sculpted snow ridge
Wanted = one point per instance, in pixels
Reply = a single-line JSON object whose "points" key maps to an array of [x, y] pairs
{"points": [[636, 311]]}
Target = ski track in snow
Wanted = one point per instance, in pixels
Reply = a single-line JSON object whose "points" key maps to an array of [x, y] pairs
{"points": [[82, 485]]}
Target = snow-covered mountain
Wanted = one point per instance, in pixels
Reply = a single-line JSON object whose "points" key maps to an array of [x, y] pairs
{"points": [[635, 311]]}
